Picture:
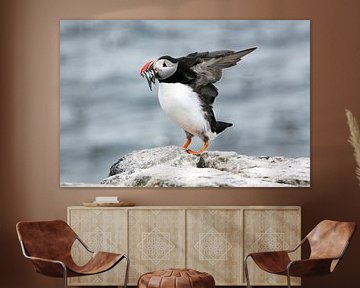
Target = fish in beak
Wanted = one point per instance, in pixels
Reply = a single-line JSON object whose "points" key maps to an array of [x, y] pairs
{"points": [[148, 72]]}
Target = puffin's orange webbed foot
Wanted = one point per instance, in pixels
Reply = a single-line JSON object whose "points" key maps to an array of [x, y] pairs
{"points": [[187, 143], [201, 150]]}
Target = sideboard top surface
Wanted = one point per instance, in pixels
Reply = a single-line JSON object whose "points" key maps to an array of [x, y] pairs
{"points": [[193, 207]]}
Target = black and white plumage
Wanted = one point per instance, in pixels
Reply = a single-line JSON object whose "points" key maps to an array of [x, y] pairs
{"points": [[187, 93]]}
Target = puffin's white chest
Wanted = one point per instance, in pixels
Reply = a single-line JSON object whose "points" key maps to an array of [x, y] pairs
{"points": [[183, 106]]}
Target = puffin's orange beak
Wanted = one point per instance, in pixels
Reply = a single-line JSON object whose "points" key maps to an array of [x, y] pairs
{"points": [[148, 72], [146, 67]]}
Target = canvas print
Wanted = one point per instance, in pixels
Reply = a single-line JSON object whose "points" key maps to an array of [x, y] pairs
{"points": [[185, 103]]}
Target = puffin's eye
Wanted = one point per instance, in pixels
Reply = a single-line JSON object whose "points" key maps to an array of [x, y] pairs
{"points": [[164, 64]]}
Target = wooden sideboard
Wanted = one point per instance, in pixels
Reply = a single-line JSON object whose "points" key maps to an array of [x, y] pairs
{"points": [[212, 239]]}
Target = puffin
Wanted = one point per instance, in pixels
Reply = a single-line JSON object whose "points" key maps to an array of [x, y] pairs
{"points": [[187, 93]]}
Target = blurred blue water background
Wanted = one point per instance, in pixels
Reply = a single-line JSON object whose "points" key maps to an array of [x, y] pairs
{"points": [[107, 109]]}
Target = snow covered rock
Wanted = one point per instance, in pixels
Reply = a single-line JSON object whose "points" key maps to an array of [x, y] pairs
{"points": [[172, 166]]}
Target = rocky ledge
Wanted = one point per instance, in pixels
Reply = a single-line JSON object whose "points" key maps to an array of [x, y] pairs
{"points": [[172, 166]]}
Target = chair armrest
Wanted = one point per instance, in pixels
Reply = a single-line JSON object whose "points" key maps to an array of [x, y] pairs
{"points": [[84, 245], [38, 259], [45, 260], [271, 261], [269, 253], [48, 267], [309, 267], [281, 251], [298, 246]]}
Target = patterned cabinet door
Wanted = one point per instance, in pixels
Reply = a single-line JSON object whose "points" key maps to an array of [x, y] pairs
{"points": [[270, 230], [156, 240], [101, 230], [214, 244]]}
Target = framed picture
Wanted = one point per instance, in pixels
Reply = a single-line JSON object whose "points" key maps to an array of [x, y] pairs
{"points": [[185, 103]]}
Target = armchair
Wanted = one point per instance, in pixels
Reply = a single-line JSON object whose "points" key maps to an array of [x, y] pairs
{"points": [[48, 245], [328, 242]]}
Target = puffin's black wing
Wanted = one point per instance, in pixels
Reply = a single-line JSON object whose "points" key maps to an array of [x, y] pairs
{"points": [[207, 68], [209, 65]]}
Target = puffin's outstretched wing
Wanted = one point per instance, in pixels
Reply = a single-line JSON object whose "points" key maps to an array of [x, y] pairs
{"points": [[208, 65], [207, 68]]}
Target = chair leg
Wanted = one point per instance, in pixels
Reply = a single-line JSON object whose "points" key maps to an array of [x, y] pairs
{"points": [[65, 275], [127, 271], [246, 270], [288, 278]]}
